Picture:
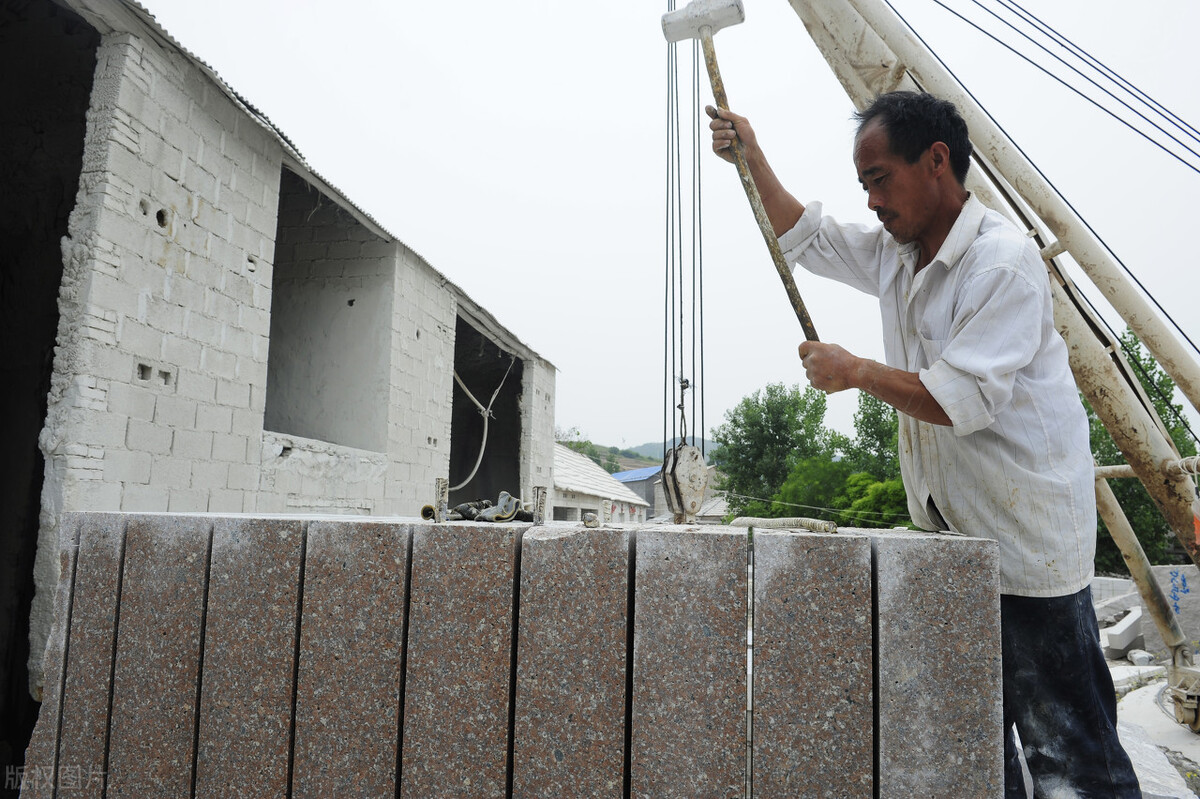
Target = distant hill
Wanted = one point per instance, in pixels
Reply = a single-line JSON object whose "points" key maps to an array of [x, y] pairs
{"points": [[654, 450]]}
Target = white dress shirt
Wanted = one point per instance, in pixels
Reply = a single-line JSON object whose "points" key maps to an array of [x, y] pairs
{"points": [[977, 325]]}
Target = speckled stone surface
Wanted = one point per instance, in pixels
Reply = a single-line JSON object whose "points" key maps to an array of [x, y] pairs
{"points": [[90, 655], [813, 696], [40, 756], [351, 649], [689, 675], [939, 675], [249, 657], [569, 732], [152, 739], [459, 658]]}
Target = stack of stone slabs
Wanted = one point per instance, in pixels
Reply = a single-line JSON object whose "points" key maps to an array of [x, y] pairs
{"points": [[248, 656]]}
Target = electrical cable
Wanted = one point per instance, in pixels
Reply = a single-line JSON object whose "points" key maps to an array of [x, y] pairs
{"points": [[1050, 74], [1084, 55], [1060, 60]]}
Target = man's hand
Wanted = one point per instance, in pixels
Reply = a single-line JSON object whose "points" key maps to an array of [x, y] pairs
{"points": [[828, 367], [727, 126], [782, 208]]}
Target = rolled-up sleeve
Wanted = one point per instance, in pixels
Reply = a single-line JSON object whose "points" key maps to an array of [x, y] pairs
{"points": [[996, 331], [848, 253]]}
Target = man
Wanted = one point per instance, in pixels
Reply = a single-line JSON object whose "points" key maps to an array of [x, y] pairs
{"points": [[993, 439]]}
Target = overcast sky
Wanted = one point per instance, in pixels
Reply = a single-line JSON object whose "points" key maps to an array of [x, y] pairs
{"points": [[521, 149]]}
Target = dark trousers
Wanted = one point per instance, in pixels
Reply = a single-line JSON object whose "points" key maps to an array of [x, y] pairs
{"points": [[1059, 693]]}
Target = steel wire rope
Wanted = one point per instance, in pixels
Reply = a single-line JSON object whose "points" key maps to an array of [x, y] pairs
{"points": [[697, 342], [1057, 58], [1112, 75], [1050, 74], [831, 511], [1037, 169], [668, 268]]}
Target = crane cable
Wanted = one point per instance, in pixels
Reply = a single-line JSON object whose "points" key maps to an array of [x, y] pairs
{"points": [[683, 331]]}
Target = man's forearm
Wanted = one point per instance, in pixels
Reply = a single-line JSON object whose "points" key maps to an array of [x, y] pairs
{"points": [[783, 209], [904, 391]]}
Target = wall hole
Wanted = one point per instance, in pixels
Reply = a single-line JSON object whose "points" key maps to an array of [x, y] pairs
{"points": [[165, 377], [144, 207], [144, 372], [161, 216], [350, 303], [251, 264]]}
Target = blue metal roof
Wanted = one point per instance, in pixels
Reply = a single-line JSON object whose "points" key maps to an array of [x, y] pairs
{"points": [[633, 475]]}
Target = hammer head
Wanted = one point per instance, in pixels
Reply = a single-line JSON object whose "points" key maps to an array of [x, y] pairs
{"points": [[688, 22]]}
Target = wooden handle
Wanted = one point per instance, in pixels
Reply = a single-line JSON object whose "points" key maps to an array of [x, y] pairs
{"points": [[760, 213]]}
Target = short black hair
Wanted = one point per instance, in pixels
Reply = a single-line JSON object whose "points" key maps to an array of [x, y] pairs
{"points": [[914, 121]]}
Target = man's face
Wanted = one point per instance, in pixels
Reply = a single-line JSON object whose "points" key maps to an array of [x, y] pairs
{"points": [[901, 194]]}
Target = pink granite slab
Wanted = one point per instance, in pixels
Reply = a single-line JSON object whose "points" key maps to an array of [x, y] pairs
{"points": [[569, 737], [159, 638], [459, 661], [351, 657], [689, 676], [813, 694], [939, 675], [249, 658], [41, 756]]}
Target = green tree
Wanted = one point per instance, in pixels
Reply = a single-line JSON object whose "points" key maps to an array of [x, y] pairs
{"points": [[873, 448], [811, 488], [762, 438], [875, 503], [1147, 521]]}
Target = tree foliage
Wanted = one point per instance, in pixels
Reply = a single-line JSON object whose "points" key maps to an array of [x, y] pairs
{"points": [[762, 438], [1147, 521], [605, 457]]}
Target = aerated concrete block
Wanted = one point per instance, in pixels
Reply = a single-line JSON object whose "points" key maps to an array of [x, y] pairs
{"points": [[351, 645], [813, 695], [159, 635], [939, 666], [459, 660], [249, 657], [689, 676], [571, 663]]}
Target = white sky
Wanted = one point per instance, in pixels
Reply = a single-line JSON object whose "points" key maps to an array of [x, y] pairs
{"points": [[520, 148]]}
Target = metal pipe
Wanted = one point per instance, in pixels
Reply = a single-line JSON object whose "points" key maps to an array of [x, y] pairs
{"points": [[1139, 568], [1058, 217], [853, 46]]}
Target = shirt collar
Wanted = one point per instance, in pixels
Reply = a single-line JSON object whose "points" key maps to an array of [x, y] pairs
{"points": [[962, 233]]}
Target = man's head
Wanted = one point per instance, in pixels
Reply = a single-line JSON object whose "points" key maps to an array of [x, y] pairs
{"points": [[912, 153], [914, 121]]}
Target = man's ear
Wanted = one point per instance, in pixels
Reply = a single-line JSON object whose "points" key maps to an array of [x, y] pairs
{"points": [[939, 158]]}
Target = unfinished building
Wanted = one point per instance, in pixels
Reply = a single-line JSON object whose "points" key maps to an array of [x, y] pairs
{"points": [[196, 321]]}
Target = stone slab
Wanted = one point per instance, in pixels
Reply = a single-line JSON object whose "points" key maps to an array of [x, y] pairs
{"points": [[249, 657], [689, 676], [938, 666], [41, 755], [159, 639], [814, 709], [94, 618], [351, 659], [569, 731], [459, 661]]}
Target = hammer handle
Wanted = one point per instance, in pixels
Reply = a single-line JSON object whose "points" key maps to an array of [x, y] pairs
{"points": [[760, 213]]}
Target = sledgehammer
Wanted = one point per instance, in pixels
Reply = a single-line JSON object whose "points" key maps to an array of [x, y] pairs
{"points": [[700, 19]]}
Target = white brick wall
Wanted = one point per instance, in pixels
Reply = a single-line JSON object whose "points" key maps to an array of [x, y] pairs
{"points": [[160, 381]]}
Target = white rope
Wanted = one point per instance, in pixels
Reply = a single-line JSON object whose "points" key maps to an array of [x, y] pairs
{"points": [[485, 413]]}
